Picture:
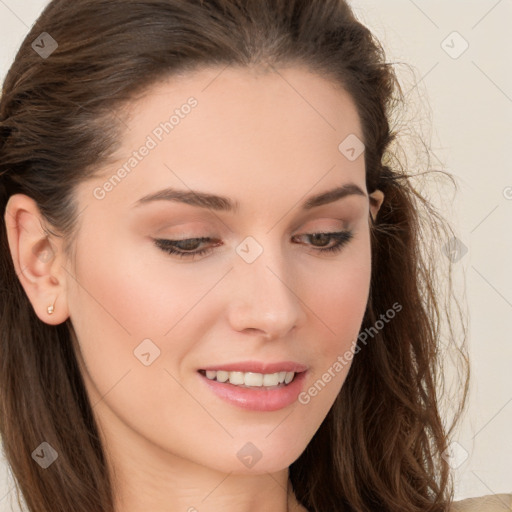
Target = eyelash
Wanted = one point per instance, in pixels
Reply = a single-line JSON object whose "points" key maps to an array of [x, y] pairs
{"points": [[341, 237]]}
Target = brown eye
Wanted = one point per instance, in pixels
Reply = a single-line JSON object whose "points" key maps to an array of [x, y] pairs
{"points": [[323, 238], [189, 248], [183, 248], [341, 238]]}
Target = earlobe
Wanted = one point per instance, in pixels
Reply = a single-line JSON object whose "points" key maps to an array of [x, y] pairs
{"points": [[36, 259]]}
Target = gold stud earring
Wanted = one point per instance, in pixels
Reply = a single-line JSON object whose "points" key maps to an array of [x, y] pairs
{"points": [[51, 308]]}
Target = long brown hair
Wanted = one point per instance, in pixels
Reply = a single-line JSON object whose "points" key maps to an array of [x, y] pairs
{"points": [[383, 444]]}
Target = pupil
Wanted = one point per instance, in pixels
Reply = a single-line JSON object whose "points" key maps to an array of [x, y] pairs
{"points": [[189, 244], [320, 236]]}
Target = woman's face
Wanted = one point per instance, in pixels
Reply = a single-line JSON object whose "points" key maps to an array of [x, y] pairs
{"points": [[262, 295]]}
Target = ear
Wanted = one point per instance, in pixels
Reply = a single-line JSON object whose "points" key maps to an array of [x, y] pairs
{"points": [[37, 259], [376, 200]]}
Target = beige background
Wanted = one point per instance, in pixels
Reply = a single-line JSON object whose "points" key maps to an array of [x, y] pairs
{"points": [[467, 114]]}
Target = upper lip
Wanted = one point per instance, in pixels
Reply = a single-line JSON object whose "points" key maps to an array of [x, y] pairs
{"points": [[259, 367]]}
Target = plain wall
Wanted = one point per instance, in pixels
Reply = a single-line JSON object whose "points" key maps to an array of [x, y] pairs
{"points": [[468, 108]]}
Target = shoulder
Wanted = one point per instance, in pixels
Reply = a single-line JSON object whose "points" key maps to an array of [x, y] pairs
{"points": [[488, 503]]}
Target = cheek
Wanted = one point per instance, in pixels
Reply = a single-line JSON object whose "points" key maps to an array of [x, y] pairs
{"points": [[118, 299], [125, 291], [127, 308], [338, 293], [337, 299]]}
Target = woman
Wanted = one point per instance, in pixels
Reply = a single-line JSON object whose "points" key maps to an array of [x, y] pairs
{"points": [[216, 293]]}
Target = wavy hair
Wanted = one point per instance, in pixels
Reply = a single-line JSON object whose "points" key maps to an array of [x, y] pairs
{"points": [[383, 444]]}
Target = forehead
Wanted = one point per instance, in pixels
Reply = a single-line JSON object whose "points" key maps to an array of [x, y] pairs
{"points": [[291, 92], [235, 130]]}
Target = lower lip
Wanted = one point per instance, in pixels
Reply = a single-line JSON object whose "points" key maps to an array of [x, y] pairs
{"points": [[258, 399]]}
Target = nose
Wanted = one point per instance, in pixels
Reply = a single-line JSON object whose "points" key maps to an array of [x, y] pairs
{"points": [[265, 299]]}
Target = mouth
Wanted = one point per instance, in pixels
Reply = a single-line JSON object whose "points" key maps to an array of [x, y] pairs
{"points": [[254, 391], [251, 380]]}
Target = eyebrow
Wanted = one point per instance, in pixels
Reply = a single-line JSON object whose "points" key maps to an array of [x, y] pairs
{"points": [[219, 203]]}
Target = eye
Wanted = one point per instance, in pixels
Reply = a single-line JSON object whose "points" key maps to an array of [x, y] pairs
{"points": [[341, 238], [183, 248], [189, 248]]}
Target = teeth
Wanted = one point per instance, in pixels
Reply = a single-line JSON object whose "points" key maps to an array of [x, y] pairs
{"points": [[221, 376], [236, 378], [288, 377], [250, 378]]}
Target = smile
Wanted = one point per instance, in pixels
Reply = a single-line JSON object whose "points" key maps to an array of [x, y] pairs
{"points": [[250, 379]]}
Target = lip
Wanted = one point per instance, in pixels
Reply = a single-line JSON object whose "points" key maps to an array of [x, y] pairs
{"points": [[257, 399], [259, 367]]}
